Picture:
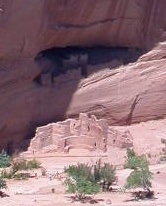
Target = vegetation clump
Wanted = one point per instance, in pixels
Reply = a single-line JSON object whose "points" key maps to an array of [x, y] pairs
{"points": [[82, 186], [133, 161], [19, 165], [5, 159], [23, 164], [80, 170], [89, 179], [107, 176], [140, 177]]}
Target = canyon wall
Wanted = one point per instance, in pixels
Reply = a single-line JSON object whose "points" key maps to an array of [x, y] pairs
{"points": [[28, 26], [129, 94]]}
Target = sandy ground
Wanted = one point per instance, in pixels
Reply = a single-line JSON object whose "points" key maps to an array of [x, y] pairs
{"points": [[38, 191]]}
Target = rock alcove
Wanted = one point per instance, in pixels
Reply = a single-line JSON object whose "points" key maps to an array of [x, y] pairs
{"points": [[58, 61]]}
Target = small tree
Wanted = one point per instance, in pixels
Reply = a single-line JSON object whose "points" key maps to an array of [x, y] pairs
{"points": [[88, 179], [132, 159], [140, 176], [81, 180]]}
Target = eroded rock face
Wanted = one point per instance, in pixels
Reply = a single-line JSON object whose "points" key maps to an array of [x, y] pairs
{"points": [[28, 26], [129, 94], [84, 133]]}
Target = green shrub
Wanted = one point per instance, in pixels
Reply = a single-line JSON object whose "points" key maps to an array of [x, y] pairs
{"points": [[130, 152], [82, 186], [7, 174], [107, 176], [14, 175], [20, 164], [140, 177], [23, 164], [134, 161], [90, 176], [33, 164], [4, 159], [80, 170]]}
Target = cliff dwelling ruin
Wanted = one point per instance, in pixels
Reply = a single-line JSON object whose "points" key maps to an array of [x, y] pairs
{"points": [[82, 133]]}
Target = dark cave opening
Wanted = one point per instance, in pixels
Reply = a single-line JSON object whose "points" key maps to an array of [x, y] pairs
{"points": [[57, 61]]}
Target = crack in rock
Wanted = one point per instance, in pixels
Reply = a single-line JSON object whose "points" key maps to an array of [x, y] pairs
{"points": [[70, 26], [133, 106]]}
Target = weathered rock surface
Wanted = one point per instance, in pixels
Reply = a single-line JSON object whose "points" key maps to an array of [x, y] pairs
{"points": [[84, 133], [28, 26], [129, 94]]}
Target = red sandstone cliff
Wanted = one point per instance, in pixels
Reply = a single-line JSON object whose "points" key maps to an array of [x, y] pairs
{"points": [[27, 27], [131, 93]]}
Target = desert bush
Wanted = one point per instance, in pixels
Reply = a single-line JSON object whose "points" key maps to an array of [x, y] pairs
{"points": [[11, 174], [4, 159], [134, 161], [19, 164], [22, 164], [88, 179], [107, 176], [7, 174], [130, 152], [140, 177], [33, 164], [82, 186], [80, 170], [81, 180]]}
